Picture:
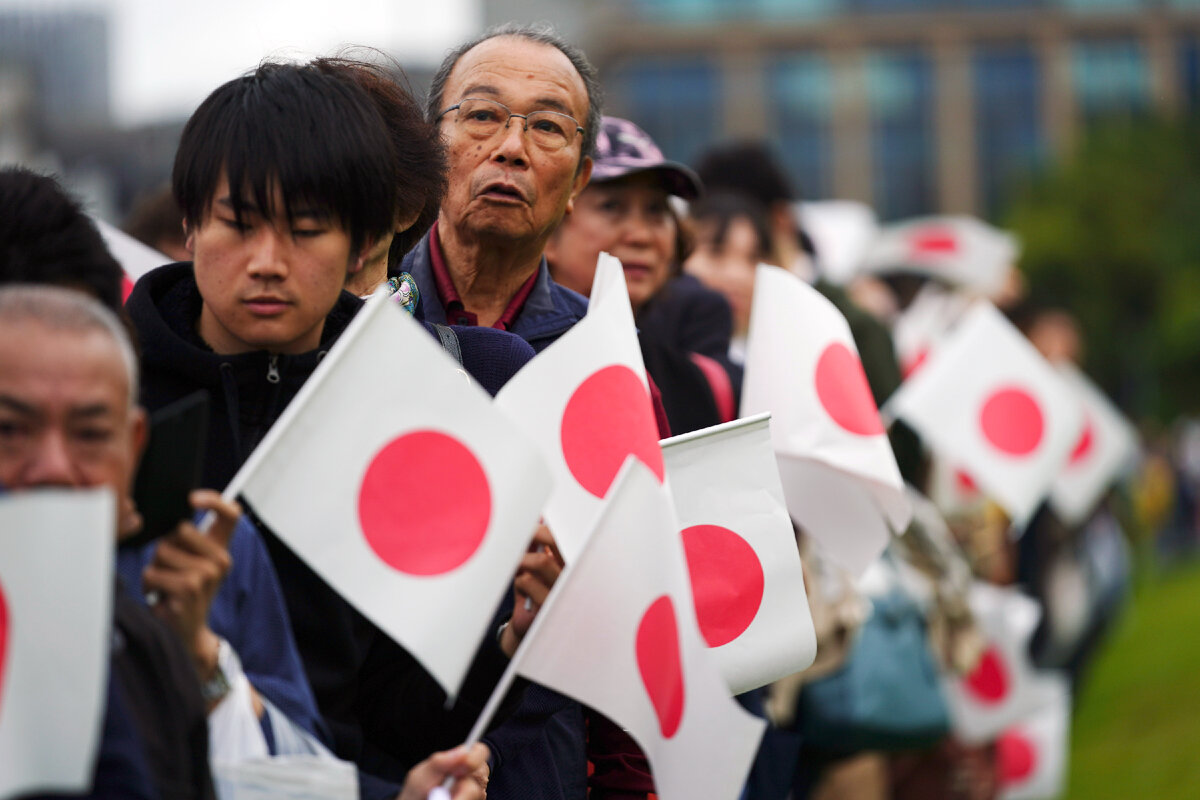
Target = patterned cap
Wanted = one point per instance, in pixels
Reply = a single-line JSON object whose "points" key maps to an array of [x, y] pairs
{"points": [[623, 148]]}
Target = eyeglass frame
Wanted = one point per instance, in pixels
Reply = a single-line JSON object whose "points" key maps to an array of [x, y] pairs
{"points": [[524, 117]]}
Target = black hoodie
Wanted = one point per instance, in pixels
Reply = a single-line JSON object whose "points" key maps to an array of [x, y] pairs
{"points": [[385, 712]]}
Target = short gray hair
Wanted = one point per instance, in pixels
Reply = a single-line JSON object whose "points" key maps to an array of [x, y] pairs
{"points": [[539, 34], [69, 310]]}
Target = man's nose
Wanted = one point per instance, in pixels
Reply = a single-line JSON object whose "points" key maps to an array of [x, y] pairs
{"points": [[268, 250], [50, 463], [512, 146]]}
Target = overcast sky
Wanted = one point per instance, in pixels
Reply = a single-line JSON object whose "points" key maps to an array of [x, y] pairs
{"points": [[167, 55]]}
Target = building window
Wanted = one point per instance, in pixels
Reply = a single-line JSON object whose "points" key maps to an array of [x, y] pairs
{"points": [[900, 92], [1102, 6], [1111, 79], [1009, 139], [800, 93], [676, 101]]}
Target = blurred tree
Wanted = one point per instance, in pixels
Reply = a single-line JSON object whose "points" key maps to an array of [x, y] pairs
{"points": [[1112, 234]]}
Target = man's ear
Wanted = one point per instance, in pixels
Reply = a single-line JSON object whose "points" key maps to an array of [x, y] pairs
{"points": [[358, 262], [581, 180], [189, 239]]}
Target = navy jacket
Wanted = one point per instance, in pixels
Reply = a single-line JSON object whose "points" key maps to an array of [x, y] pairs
{"points": [[549, 311]]}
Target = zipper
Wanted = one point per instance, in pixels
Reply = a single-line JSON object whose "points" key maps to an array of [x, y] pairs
{"points": [[273, 369]]}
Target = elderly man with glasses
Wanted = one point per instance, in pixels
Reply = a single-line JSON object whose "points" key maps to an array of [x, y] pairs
{"points": [[519, 109], [520, 112]]}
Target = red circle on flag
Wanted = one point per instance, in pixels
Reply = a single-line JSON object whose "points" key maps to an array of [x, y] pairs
{"points": [[844, 392], [988, 683], [425, 503], [1017, 757], [727, 581], [966, 484], [1087, 439], [914, 363], [607, 419], [660, 663], [1012, 421], [934, 241]]}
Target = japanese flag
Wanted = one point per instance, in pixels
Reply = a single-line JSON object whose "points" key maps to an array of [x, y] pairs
{"points": [[923, 324], [987, 401], [56, 587], [1106, 447], [1033, 753], [958, 250], [395, 480], [997, 692], [742, 558], [619, 634], [134, 257], [585, 402], [839, 474]]}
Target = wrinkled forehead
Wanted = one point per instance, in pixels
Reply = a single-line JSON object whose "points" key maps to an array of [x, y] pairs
{"points": [[517, 71], [68, 367]]}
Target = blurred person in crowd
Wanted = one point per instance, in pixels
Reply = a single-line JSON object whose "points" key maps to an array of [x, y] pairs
{"points": [[625, 211], [731, 240], [156, 221], [287, 177], [519, 109], [749, 168], [69, 419]]}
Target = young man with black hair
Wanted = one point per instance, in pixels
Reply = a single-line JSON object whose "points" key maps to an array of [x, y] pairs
{"points": [[286, 178]]}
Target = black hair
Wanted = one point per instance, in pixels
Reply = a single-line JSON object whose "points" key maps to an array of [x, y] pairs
{"points": [[155, 219], [420, 180], [46, 237], [722, 208], [538, 34], [748, 168], [314, 135]]}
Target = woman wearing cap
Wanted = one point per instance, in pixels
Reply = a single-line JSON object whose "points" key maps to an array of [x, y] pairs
{"points": [[625, 210]]}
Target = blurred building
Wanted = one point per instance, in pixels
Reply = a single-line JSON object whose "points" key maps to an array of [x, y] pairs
{"points": [[913, 106]]}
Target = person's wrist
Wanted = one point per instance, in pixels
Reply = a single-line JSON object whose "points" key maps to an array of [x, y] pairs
{"points": [[206, 652], [508, 639]]}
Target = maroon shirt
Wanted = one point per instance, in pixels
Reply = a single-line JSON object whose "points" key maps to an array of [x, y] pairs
{"points": [[456, 312]]}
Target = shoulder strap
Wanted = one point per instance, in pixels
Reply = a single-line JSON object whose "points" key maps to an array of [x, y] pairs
{"points": [[449, 341]]}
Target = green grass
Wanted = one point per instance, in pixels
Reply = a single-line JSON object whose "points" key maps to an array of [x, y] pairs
{"points": [[1137, 724]]}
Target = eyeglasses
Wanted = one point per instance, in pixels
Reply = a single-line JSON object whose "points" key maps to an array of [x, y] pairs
{"points": [[549, 130]]}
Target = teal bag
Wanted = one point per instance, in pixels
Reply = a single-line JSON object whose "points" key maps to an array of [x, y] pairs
{"points": [[887, 695]]}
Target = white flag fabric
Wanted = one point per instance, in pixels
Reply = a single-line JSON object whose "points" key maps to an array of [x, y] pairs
{"points": [[586, 404], [619, 634], [397, 482], [1106, 447], [134, 257], [56, 588], [959, 250], [923, 324], [839, 474], [987, 401], [1033, 753], [842, 231], [998, 692], [742, 558]]}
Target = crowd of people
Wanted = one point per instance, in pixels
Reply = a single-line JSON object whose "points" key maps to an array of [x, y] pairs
{"points": [[298, 191]]}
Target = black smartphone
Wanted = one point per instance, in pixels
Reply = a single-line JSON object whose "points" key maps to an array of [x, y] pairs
{"points": [[171, 467]]}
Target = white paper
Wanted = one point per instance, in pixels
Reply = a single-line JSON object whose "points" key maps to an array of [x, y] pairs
{"points": [[56, 579]]}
